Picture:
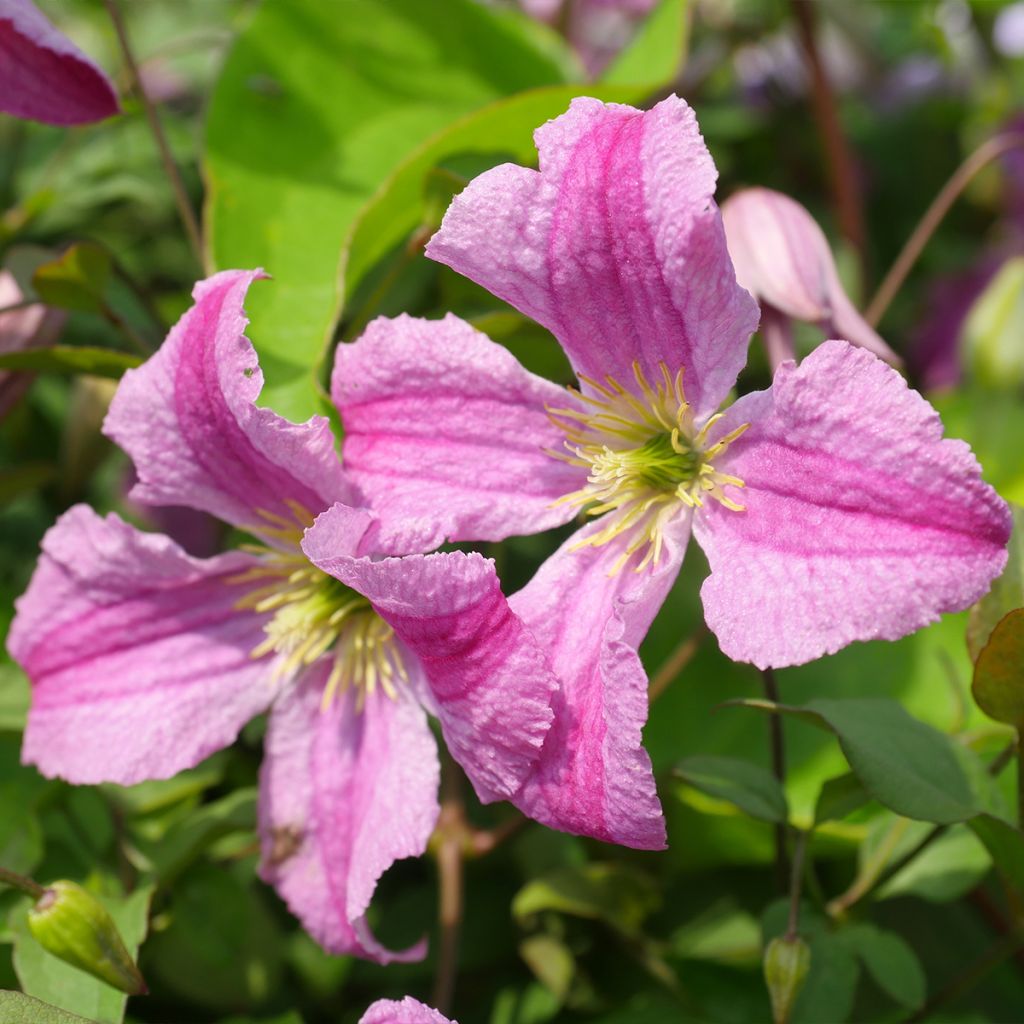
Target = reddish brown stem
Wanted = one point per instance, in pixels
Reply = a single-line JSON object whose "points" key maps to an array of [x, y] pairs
{"points": [[841, 168]]}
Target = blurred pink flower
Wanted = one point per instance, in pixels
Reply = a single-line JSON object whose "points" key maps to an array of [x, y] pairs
{"points": [[783, 259], [144, 660], [596, 29], [34, 326], [829, 506], [43, 75], [408, 1011]]}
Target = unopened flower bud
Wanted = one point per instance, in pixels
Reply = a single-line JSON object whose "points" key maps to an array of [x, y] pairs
{"points": [[786, 962], [72, 924], [783, 259]]}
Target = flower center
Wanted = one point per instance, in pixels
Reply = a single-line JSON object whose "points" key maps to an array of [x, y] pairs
{"points": [[644, 457], [315, 614]]}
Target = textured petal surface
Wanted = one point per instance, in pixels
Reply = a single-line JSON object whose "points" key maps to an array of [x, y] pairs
{"points": [[615, 245], [444, 435], [139, 662], [344, 793], [43, 75], [188, 419], [861, 522], [782, 257], [408, 1011], [488, 681], [594, 776]]}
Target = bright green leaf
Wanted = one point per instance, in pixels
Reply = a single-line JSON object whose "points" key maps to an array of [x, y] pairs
{"points": [[316, 105], [18, 1008], [100, 362], [409, 198], [1007, 591], [906, 765], [890, 961], [750, 787], [76, 280], [54, 981], [998, 685], [655, 55]]}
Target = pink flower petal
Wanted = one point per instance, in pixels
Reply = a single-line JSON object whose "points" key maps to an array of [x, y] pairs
{"points": [[408, 1011], [488, 681], [615, 245], [43, 75], [188, 419], [782, 258], [594, 776], [861, 522], [139, 662], [445, 435], [344, 793]]}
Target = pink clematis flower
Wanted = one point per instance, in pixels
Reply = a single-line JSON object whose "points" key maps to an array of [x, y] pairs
{"points": [[144, 660], [829, 506], [408, 1011], [783, 259], [43, 75]]}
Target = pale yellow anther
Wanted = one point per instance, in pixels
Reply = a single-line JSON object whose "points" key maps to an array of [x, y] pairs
{"points": [[645, 459], [315, 615]]}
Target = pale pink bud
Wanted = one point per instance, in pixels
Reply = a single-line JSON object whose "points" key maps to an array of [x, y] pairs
{"points": [[783, 259]]}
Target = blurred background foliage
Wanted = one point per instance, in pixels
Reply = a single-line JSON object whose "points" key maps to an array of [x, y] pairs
{"points": [[323, 139]]}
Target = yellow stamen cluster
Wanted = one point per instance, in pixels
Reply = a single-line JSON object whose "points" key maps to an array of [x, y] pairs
{"points": [[314, 613], [644, 456]]}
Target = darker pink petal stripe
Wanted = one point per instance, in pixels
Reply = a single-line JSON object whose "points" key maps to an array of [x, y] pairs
{"points": [[188, 419], [344, 793], [140, 663], [594, 776], [615, 245], [861, 521], [488, 682]]}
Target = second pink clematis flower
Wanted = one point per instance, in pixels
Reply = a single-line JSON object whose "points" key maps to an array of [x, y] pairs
{"points": [[143, 660], [830, 507]]}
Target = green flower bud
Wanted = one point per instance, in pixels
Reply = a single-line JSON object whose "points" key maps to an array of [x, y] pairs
{"points": [[72, 924], [786, 962]]}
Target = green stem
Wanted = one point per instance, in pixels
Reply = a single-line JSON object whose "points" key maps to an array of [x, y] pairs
{"points": [[26, 885]]}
